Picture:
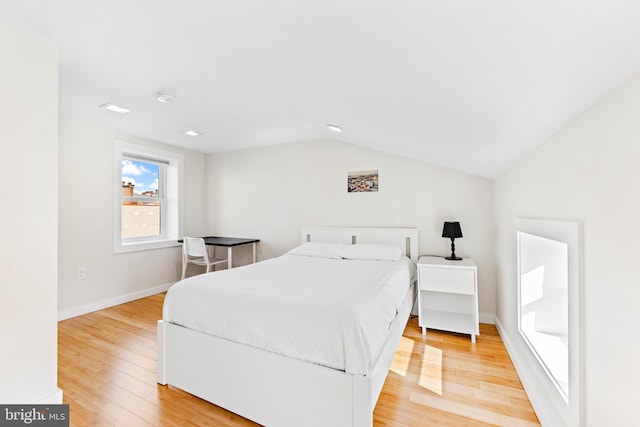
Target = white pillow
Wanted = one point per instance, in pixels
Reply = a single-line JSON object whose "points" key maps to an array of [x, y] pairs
{"points": [[317, 249], [371, 251]]}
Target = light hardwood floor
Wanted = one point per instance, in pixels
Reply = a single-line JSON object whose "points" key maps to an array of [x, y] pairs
{"points": [[107, 371]]}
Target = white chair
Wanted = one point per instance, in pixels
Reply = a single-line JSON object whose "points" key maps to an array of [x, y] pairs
{"points": [[194, 251]]}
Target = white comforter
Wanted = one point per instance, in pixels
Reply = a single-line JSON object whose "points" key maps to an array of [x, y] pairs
{"points": [[331, 312]]}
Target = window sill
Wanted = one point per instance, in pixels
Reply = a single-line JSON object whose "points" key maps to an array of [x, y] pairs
{"points": [[145, 246]]}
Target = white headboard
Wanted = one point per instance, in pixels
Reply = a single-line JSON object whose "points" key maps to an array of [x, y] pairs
{"points": [[405, 238]]}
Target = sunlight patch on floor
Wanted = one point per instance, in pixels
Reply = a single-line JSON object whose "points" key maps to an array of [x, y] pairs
{"points": [[469, 411], [400, 364], [431, 369]]}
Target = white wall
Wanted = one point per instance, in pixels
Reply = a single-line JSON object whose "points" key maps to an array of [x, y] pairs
{"points": [[269, 193], [588, 172], [29, 218], [86, 218]]}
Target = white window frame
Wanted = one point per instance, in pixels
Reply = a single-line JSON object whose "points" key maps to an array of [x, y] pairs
{"points": [[171, 207]]}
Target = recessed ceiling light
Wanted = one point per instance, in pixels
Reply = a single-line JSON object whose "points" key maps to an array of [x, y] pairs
{"points": [[192, 133], [115, 108], [335, 128], [165, 97]]}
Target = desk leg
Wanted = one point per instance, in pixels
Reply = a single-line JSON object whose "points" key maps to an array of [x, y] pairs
{"points": [[254, 252], [229, 257]]}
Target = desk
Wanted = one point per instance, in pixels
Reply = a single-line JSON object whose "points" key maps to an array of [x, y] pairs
{"points": [[229, 243]]}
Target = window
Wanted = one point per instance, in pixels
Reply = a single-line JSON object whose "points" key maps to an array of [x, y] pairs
{"points": [[544, 304], [143, 199], [549, 307], [146, 198]]}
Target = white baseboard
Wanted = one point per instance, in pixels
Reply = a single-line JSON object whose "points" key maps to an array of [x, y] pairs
{"points": [[110, 302], [54, 398]]}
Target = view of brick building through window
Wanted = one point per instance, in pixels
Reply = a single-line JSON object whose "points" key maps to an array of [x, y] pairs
{"points": [[139, 218]]}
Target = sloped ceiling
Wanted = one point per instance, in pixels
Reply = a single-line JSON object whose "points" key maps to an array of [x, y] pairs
{"points": [[466, 84]]}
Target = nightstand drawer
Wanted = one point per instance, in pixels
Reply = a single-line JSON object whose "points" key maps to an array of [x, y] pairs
{"points": [[447, 280]]}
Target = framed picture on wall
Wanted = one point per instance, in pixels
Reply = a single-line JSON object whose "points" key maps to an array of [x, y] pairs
{"points": [[362, 181]]}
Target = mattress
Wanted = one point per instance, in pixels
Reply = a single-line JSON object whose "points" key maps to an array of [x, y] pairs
{"points": [[332, 312]]}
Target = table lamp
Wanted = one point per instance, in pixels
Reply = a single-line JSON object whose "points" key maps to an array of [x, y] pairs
{"points": [[452, 231]]}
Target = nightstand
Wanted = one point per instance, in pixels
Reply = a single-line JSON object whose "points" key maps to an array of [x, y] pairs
{"points": [[448, 295]]}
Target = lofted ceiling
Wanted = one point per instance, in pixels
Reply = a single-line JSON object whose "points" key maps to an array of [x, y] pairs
{"points": [[465, 84]]}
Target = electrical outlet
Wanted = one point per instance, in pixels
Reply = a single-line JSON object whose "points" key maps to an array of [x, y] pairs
{"points": [[81, 273]]}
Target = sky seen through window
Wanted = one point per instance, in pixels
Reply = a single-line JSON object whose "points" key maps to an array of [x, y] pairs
{"points": [[141, 174]]}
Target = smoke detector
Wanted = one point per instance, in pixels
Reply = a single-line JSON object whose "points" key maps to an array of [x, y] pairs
{"points": [[165, 97]]}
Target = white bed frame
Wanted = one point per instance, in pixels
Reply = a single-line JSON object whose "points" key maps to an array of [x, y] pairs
{"points": [[275, 390]]}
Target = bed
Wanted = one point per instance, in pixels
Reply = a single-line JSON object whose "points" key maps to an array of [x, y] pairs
{"points": [[228, 349]]}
